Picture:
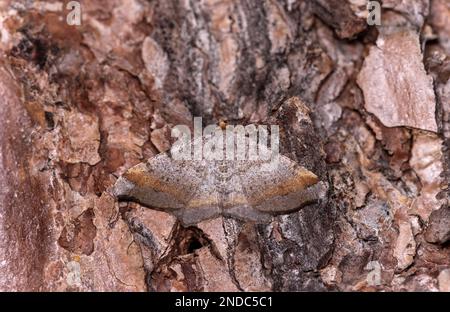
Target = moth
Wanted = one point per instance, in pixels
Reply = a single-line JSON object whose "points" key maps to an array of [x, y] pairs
{"points": [[195, 190]]}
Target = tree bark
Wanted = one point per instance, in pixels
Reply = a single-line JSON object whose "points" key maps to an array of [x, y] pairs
{"points": [[79, 105]]}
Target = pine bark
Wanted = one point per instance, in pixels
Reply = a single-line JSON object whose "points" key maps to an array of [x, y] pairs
{"points": [[79, 105]]}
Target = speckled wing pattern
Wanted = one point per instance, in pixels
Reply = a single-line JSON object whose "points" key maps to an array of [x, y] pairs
{"points": [[196, 190]]}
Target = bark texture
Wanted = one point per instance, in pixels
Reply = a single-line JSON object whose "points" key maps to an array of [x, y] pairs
{"points": [[367, 109]]}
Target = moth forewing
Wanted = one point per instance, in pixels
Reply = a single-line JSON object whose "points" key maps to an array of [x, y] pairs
{"points": [[161, 183]]}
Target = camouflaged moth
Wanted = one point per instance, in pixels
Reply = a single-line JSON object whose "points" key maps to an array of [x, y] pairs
{"points": [[199, 189]]}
